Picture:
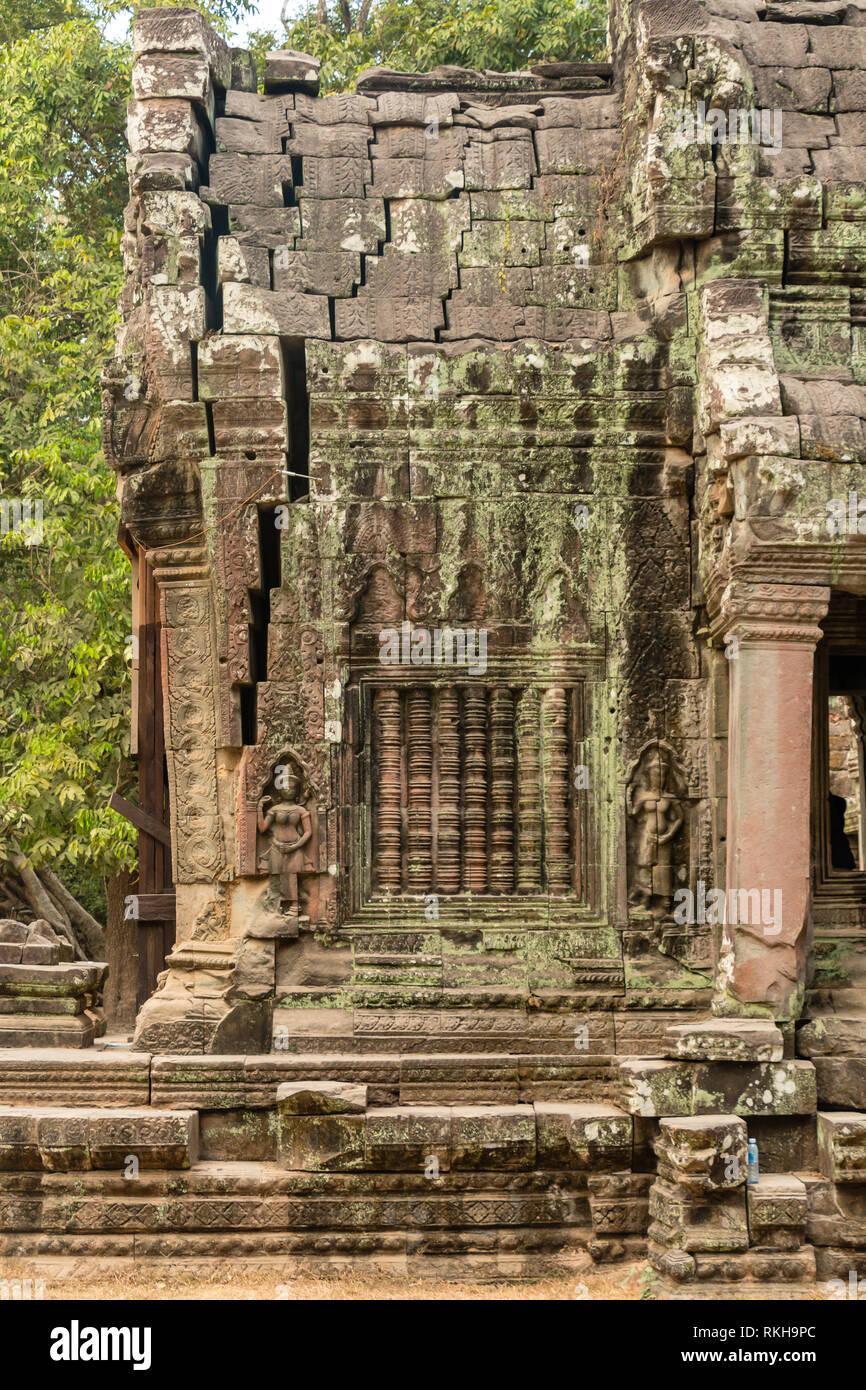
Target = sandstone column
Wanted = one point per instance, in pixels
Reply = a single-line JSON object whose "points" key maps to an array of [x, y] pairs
{"points": [[770, 633]]}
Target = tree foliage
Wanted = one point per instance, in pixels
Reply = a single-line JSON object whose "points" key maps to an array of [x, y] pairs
{"points": [[413, 35], [65, 602]]}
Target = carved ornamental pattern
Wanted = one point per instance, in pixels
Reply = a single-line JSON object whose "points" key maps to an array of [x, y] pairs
{"points": [[473, 789]]}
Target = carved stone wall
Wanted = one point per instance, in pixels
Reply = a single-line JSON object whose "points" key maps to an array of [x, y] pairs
{"points": [[525, 358]]}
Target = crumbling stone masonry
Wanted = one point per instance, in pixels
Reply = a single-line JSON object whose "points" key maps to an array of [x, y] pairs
{"points": [[478, 438]]}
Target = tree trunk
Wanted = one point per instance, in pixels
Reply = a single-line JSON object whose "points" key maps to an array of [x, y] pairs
{"points": [[43, 904], [121, 952], [89, 931]]}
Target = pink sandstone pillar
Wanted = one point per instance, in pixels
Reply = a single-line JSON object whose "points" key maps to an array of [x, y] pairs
{"points": [[770, 633]]}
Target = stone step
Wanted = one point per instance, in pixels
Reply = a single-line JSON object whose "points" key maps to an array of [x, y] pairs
{"points": [[600, 993], [327, 1126], [110, 1078], [61, 1139], [222, 1083], [502, 1030], [767, 1267], [261, 1210]]}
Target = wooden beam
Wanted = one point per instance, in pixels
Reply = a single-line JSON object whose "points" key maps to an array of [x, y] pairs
{"points": [[142, 820], [156, 907]]}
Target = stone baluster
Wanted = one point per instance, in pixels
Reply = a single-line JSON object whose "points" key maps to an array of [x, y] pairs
{"points": [[475, 789], [419, 774], [555, 744], [387, 813], [448, 839], [501, 790], [529, 792]]}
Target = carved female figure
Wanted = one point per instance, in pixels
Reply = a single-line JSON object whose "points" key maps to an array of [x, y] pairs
{"points": [[289, 826], [658, 815]]}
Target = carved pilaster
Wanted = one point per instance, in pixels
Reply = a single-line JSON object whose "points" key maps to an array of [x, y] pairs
{"points": [[770, 633], [190, 683]]}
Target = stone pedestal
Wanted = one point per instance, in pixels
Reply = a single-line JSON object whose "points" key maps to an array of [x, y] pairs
{"points": [[46, 998]]}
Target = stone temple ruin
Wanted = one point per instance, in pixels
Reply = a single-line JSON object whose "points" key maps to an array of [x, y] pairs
{"points": [[489, 452]]}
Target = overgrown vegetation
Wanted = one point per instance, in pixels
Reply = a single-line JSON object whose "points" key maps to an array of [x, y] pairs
{"points": [[414, 35]]}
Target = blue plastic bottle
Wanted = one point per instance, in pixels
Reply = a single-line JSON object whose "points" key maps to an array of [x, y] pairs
{"points": [[754, 1168]]}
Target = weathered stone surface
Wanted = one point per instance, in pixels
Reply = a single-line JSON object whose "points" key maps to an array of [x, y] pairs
{"points": [[174, 75], [248, 137], [726, 1040], [240, 365], [322, 1143], [250, 179], [679, 1222], [492, 1137], [842, 1146], [409, 1138], [287, 70], [777, 1211], [163, 125], [60, 1140], [317, 272], [582, 1136], [184, 31], [342, 224], [321, 1098], [693, 1088], [249, 309], [841, 1082], [704, 1153]]}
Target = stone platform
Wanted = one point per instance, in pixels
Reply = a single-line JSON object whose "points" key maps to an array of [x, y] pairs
{"points": [[464, 1163]]}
